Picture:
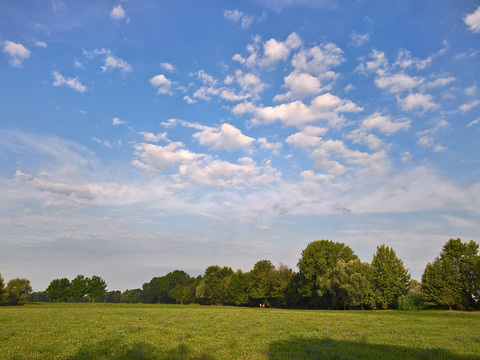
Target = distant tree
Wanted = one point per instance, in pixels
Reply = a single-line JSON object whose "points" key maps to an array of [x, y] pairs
{"points": [[261, 282], [283, 277], [38, 296], [239, 288], [78, 287], [3, 295], [317, 259], [96, 287], [452, 279], [59, 289], [217, 285], [390, 278], [18, 291], [131, 296]]}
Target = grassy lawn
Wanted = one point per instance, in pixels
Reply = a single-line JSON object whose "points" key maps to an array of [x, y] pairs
{"points": [[123, 331]]}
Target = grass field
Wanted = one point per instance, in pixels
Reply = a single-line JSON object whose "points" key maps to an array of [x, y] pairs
{"points": [[123, 331]]}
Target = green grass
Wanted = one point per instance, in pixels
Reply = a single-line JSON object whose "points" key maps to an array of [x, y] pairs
{"points": [[121, 331]]}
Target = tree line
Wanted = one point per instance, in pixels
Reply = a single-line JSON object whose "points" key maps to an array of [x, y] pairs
{"points": [[330, 276]]}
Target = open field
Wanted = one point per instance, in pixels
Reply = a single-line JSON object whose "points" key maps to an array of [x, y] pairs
{"points": [[121, 331]]}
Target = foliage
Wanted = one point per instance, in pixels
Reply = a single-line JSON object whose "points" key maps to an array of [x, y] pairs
{"points": [[96, 287], [18, 291], [409, 302], [59, 289], [390, 278], [3, 294], [217, 285], [452, 279], [78, 288], [317, 259]]}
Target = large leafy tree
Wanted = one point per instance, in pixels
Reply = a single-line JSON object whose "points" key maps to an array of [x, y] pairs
{"points": [[261, 282], [2, 290], [239, 288], [452, 279], [78, 287], [216, 288], [390, 278], [59, 289], [96, 287], [318, 258], [18, 291]]}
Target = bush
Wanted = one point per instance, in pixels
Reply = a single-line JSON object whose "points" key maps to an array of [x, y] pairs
{"points": [[409, 302]]}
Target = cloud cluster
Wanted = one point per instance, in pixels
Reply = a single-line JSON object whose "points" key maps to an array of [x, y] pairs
{"points": [[17, 52]]}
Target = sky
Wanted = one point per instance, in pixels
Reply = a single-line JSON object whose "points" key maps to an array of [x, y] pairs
{"points": [[139, 137]]}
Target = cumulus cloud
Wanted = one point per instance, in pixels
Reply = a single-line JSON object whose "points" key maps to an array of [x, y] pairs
{"points": [[405, 60], [469, 106], [273, 51], [318, 59], [441, 81], [426, 138], [327, 107], [417, 101], [162, 84], [237, 16], [118, 13], [167, 66], [17, 52], [377, 63], [227, 137], [310, 136], [360, 136], [41, 44], [117, 121], [73, 83], [266, 145], [473, 21], [160, 158], [112, 62], [359, 39], [300, 85], [398, 82], [384, 124], [149, 137]]}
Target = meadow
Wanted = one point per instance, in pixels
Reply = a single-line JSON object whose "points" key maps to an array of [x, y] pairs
{"points": [[137, 331]]}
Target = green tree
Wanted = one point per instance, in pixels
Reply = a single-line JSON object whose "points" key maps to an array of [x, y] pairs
{"points": [[78, 288], [131, 296], [390, 278], [261, 282], [59, 289], [451, 279], [317, 259], [217, 285], [96, 287], [18, 291], [3, 295], [239, 287], [283, 278]]}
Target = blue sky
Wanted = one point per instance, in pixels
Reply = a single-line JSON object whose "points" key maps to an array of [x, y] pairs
{"points": [[139, 137]]}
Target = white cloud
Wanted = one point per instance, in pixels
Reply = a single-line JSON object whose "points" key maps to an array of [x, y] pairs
{"points": [[359, 136], [189, 100], [441, 81], [300, 85], [379, 63], [17, 51], [384, 123], [309, 137], [167, 66], [41, 44], [472, 90], [426, 138], [318, 59], [469, 106], [474, 122], [117, 13], [154, 138], [405, 60], [112, 62], [273, 147], [273, 51], [238, 16], [473, 21], [117, 121], [160, 158], [227, 137], [162, 83], [417, 101], [359, 39], [398, 82], [326, 107], [406, 157], [73, 83]]}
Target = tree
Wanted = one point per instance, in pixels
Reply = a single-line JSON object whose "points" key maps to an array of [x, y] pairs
{"points": [[3, 295], [96, 287], [217, 285], [59, 289], [317, 259], [452, 279], [78, 287], [18, 291], [390, 278], [239, 287], [261, 282]]}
